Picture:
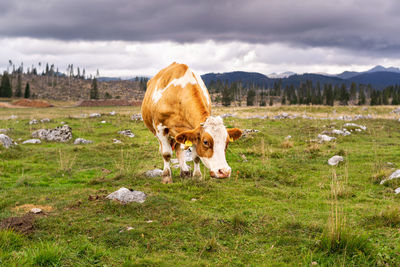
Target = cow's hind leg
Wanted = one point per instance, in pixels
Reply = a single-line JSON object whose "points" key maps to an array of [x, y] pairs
{"points": [[180, 154], [166, 152]]}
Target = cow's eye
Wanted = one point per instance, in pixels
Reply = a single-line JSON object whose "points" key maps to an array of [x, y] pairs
{"points": [[205, 142]]}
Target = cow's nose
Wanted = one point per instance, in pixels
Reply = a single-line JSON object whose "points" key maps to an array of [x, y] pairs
{"points": [[224, 173]]}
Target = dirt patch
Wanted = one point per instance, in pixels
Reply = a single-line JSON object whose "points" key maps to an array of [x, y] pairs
{"points": [[108, 102], [27, 207], [32, 103], [22, 224]]}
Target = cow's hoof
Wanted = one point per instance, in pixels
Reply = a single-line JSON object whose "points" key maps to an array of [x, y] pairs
{"points": [[166, 180], [185, 174], [197, 175]]}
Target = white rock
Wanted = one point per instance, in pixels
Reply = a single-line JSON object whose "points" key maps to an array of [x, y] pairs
{"points": [[116, 141], [394, 175], [124, 195], [103, 121], [343, 132], [32, 141], [13, 117], [127, 133], [59, 134], [129, 228], [149, 221], [6, 141], [288, 137], [112, 113], [33, 122], [154, 173], [325, 138], [362, 127], [137, 117], [79, 141], [4, 130], [45, 120], [35, 210], [397, 190], [335, 160], [95, 115]]}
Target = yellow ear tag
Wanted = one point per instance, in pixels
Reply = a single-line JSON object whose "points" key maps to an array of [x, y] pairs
{"points": [[231, 139], [188, 143]]}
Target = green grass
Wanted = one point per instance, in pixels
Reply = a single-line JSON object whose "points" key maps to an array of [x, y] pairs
{"points": [[276, 209]]}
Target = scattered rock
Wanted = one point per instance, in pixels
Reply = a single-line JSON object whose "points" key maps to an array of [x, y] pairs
{"points": [[137, 117], [127, 133], [116, 141], [35, 210], [149, 221], [112, 113], [325, 138], [228, 115], [154, 173], [247, 132], [62, 123], [6, 141], [103, 122], [335, 160], [343, 132], [394, 175], [129, 228], [45, 120], [397, 190], [4, 130], [13, 117], [397, 110], [124, 195], [32, 141], [95, 115], [281, 116], [257, 117], [59, 134], [362, 127], [79, 141], [193, 199], [288, 137], [33, 122]]}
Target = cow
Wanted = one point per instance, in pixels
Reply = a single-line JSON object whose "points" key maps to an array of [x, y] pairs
{"points": [[177, 110]]}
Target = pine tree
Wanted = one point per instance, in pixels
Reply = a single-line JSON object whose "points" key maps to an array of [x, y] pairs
{"points": [[18, 91], [329, 95], [361, 97], [27, 93], [250, 97], [6, 90], [94, 91], [353, 91], [226, 96], [344, 96]]}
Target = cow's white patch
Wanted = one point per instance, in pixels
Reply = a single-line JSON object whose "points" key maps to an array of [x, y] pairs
{"points": [[187, 78], [214, 126], [203, 87], [165, 145]]}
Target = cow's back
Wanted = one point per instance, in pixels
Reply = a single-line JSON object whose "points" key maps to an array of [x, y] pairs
{"points": [[176, 98]]}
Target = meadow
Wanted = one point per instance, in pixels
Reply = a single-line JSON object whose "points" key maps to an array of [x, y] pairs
{"points": [[282, 206]]}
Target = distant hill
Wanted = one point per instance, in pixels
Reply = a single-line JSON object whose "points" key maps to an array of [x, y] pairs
{"points": [[247, 78], [379, 77]]}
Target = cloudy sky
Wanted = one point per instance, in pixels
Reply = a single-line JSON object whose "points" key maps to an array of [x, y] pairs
{"points": [[128, 38]]}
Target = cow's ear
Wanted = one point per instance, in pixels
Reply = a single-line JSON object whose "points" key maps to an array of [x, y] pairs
{"points": [[187, 137], [234, 133]]}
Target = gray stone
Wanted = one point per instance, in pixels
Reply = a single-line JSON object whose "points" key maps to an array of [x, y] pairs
{"points": [[6, 141], [335, 160], [32, 141], [95, 115], [362, 127], [397, 190], [154, 173], [228, 115], [80, 141], [33, 122], [325, 138], [124, 195], [127, 133], [116, 141], [45, 120], [394, 175], [4, 130], [59, 134], [35, 210], [137, 117], [112, 113]]}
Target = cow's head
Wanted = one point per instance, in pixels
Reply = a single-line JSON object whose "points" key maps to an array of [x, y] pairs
{"points": [[211, 140]]}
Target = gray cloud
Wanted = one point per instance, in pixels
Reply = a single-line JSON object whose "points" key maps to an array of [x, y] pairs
{"points": [[362, 25]]}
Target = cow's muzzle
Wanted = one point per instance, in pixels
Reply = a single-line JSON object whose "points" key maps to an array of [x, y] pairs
{"points": [[221, 174]]}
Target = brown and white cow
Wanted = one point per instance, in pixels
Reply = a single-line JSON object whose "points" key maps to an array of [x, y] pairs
{"points": [[177, 109]]}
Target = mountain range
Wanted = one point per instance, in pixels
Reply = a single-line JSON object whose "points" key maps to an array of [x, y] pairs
{"points": [[378, 77]]}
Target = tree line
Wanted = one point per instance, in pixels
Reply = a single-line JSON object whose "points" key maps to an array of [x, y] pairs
{"points": [[307, 93]]}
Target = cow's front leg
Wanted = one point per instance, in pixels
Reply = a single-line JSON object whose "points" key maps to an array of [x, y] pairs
{"points": [[196, 169], [167, 175], [166, 152], [180, 154]]}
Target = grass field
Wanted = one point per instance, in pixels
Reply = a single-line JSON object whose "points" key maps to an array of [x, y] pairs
{"points": [[283, 205]]}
